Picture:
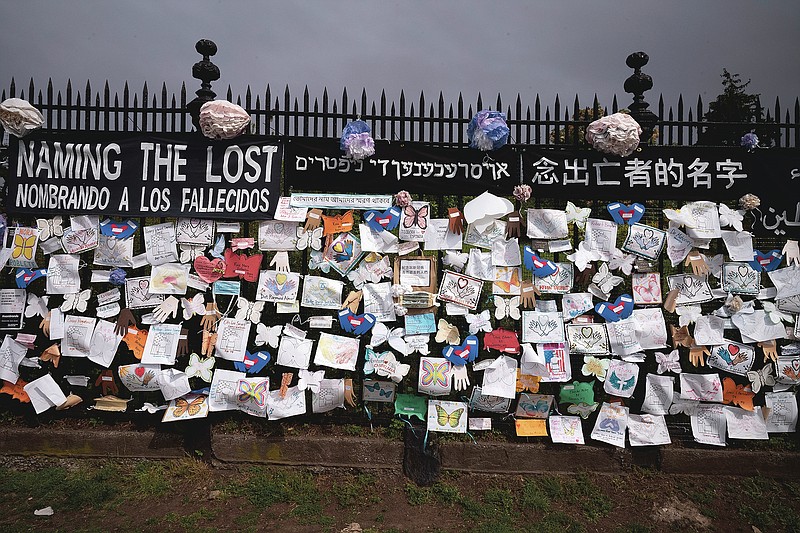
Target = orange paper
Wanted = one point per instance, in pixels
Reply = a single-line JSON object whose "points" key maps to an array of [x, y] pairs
{"points": [[531, 428], [734, 394], [135, 339], [337, 224], [15, 390]]}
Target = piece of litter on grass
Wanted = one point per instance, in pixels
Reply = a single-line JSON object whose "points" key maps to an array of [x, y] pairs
{"points": [[47, 511]]}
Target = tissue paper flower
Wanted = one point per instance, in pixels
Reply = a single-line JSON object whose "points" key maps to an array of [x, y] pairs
{"points": [[356, 141], [487, 130], [749, 201], [750, 141], [522, 192], [19, 117], [403, 199], [117, 277], [220, 119], [616, 134]]}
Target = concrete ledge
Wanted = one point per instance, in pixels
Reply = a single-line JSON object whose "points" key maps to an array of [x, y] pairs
{"points": [[730, 462], [320, 451], [91, 443]]}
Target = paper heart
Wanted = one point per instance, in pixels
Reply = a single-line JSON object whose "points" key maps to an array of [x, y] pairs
{"points": [[463, 354], [280, 278], [540, 267], [253, 362], [621, 308], [358, 324], [386, 220], [766, 261], [624, 214], [209, 270], [119, 230], [733, 349], [25, 276]]}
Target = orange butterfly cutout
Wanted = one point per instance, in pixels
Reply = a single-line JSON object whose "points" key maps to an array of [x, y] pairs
{"points": [[734, 394], [194, 407], [507, 285], [526, 382], [16, 390], [337, 223], [52, 354], [135, 339]]}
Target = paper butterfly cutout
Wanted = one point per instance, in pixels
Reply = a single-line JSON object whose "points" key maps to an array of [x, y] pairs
{"points": [[193, 306], [603, 281], [25, 276], [384, 364], [624, 214], [253, 363], [680, 217], [540, 267], [668, 362], [730, 217], [37, 305], [583, 255], [249, 310], [358, 324], [766, 261], [381, 333], [241, 266], [118, 230], [435, 372], [317, 261], [688, 314], [463, 354], [383, 221], [201, 368], [310, 380], [77, 301], [50, 227], [443, 418], [774, 315], [760, 378], [479, 322], [219, 247], [507, 307], [577, 215], [257, 393], [621, 261], [583, 409], [194, 407], [370, 272], [447, 333], [622, 308], [740, 395], [714, 264], [456, 260], [309, 239], [23, 247], [269, 335], [415, 217], [190, 252]]}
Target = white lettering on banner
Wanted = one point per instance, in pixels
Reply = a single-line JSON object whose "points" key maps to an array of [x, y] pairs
{"points": [[405, 169], [779, 218], [69, 161], [246, 164]]}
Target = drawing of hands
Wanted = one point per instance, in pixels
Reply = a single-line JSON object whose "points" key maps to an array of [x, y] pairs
{"points": [[209, 320], [792, 252], [513, 225], [349, 395], [528, 292], [313, 219], [281, 261], [124, 321], [697, 355], [698, 264], [456, 224], [460, 377], [167, 308], [770, 350]]}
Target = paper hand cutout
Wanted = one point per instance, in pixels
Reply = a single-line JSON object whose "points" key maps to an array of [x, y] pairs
{"points": [[463, 354], [183, 342], [352, 301], [349, 394], [166, 309], [457, 221], [286, 379], [681, 336], [672, 297], [460, 377], [253, 363], [280, 261], [124, 321], [540, 267], [106, 382], [698, 263], [792, 252], [358, 324], [697, 355], [313, 219], [209, 320], [513, 225], [528, 293], [770, 351], [45, 325], [52, 353], [209, 342]]}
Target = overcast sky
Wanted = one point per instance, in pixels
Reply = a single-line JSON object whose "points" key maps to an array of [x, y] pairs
{"points": [[567, 47]]}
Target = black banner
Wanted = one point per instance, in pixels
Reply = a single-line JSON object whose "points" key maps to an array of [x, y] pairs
{"points": [[138, 175], [319, 165], [675, 173]]}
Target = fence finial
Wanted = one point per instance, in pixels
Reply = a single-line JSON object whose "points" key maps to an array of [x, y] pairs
{"points": [[206, 72], [637, 84]]}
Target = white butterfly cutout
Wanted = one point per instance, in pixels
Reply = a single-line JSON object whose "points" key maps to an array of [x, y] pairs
{"points": [[583, 255], [603, 281], [455, 260], [479, 322], [50, 227], [761, 377], [714, 264], [268, 335], [310, 380], [193, 306], [201, 368], [774, 315], [621, 261], [381, 333], [370, 272], [447, 333], [688, 314], [685, 406], [730, 217], [506, 307], [76, 301], [577, 215], [680, 217], [190, 252], [219, 248], [37, 305], [418, 343], [668, 362], [306, 239], [249, 310], [317, 261]]}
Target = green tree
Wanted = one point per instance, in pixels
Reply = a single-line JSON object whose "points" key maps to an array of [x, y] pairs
{"points": [[734, 113]]}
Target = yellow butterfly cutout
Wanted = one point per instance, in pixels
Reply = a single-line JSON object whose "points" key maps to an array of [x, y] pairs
{"points": [[23, 246]]}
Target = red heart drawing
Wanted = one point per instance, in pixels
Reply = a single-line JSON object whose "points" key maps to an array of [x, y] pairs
{"points": [[733, 349], [139, 371], [209, 270]]}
